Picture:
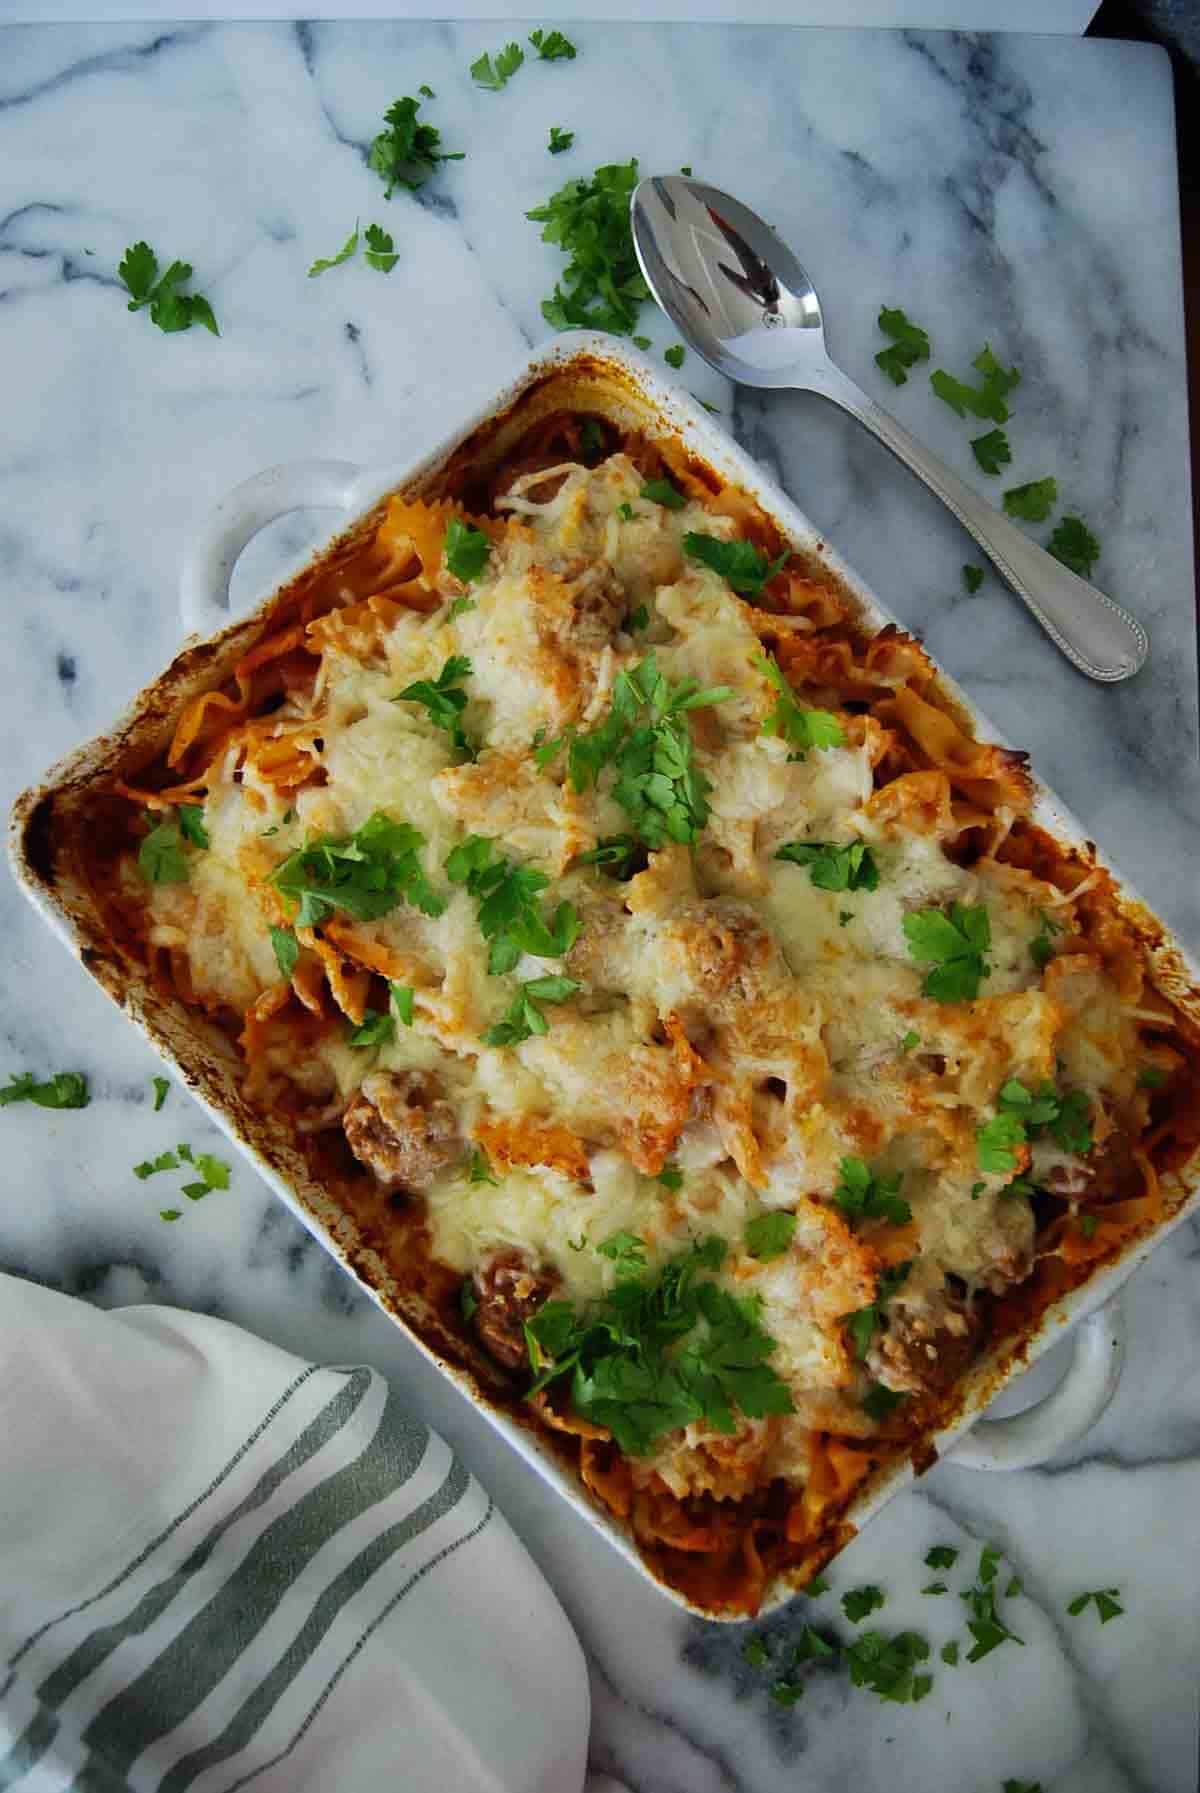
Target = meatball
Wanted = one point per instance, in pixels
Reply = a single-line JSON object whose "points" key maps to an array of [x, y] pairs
{"points": [[509, 1291], [400, 1127]]}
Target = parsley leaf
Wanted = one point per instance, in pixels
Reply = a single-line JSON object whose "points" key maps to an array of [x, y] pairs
{"points": [[887, 1665], [661, 491], [756, 1651], [170, 309], [640, 342], [1024, 1113], [1041, 947], [802, 729], [769, 1235], [972, 578], [985, 1624], [66, 1089], [997, 1141], [602, 287], [161, 1088], [381, 250], [191, 824], [617, 855], [466, 550], [991, 450], [170, 1214], [150, 1167], [348, 249], [910, 1039], [950, 1653], [985, 400], [552, 46], [161, 859], [955, 945], [373, 1030], [506, 894], [1107, 1602], [1074, 544], [910, 344], [670, 1176], [740, 563], [859, 1603], [786, 1693], [942, 1556], [286, 948], [880, 1401], [627, 513], [407, 152], [214, 1174], [1151, 1077], [460, 607], [850, 867], [366, 874], [862, 1196], [479, 1169], [496, 74], [523, 1017], [559, 140], [1032, 502], [400, 1002], [627, 1251], [816, 1587], [674, 356], [864, 1322], [445, 700]]}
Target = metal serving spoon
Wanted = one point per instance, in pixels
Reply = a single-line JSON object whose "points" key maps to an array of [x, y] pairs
{"points": [[742, 300]]}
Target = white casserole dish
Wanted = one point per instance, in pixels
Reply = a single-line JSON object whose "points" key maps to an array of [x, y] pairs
{"points": [[68, 907]]}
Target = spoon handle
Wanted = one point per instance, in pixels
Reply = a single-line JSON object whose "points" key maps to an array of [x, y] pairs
{"points": [[1096, 634]]}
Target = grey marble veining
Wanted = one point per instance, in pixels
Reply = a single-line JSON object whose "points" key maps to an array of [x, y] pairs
{"points": [[1018, 191]]}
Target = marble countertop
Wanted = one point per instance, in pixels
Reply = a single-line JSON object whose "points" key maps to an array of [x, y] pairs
{"points": [[1015, 190]]}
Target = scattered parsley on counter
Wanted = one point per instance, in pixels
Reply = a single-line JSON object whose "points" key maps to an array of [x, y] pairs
{"points": [[950, 1654], [559, 140], [756, 1651], [286, 948], [991, 450], [348, 249], [366, 874], [674, 356], [626, 1250], [161, 1087], [1107, 1603], [859, 1603], [407, 152], [170, 308], [954, 946], [552, 46], [887, 1665], [170, 1214], [1022, 1787], [986, 400], [972, 578], [769, 1235], [66, 1089], [150, 1167], [1074, 544], [1033, 502], [602, 287], [802, 729], [1024, 1114], [816, 1587], [985, 1624], [381, 250], [909, 345], [862, 1196], [213, 1174], [850, 867], [942, 1556], [466, 550], [496, 73], [618, 856], [444, 700]]}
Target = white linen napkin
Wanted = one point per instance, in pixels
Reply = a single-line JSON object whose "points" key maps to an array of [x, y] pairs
{"points": [[220, 1566]]}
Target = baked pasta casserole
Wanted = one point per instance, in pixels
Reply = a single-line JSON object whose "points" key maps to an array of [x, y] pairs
{"points": [[668, 983]]}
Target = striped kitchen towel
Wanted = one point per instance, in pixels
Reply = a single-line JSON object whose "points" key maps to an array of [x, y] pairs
{"points": [[221, 1567]]}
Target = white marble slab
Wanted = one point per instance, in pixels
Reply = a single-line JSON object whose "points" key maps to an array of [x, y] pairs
{"points": [[1015, 190]]}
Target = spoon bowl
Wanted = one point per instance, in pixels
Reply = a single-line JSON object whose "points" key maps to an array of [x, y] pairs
{"points": [[741, 299]]}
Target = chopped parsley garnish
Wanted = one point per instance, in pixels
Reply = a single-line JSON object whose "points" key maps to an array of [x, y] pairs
{"points": [[1107, 1602], [661, 491], [997, 1142], [640, 342], [348, 249], [802, 729], [524, 1017], [880, 1401], [756, 1651], [161, 858], [617, 856], [647, 741], [626, 1250], [950, 1653], [1032, 502], [286, 948], [662, 1350], [985, 400], [887, 1665], [1024, 1113], [509, 917], [170, 308], [150, 1167], [460, 607], [445, 700], [954, 946], [674, 356], [786, 1693], [862, 1196], [560, 140], [850, 867], [1074, 544], [1041, 947], [495, 74], [479, 1169], [769, 1235], [466, 550], [859, 1603], [909, 345], [365, 874], [552, 46], [627, 513], [911, 1039], [816, 1587], [985, 1624], [637, 620], [972, 577], [942, 1556], [670, 1176], [373, 1030], [739, 563], [602, 286], [191, 824], [66, 1089], [991, 450], [381, 250], [865, 1322], [407, 152], [161, 1087], [400, 1002]]}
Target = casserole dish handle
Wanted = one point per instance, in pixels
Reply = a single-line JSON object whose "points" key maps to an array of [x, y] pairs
{"points": [[1025, 1439], [212, 554]]}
